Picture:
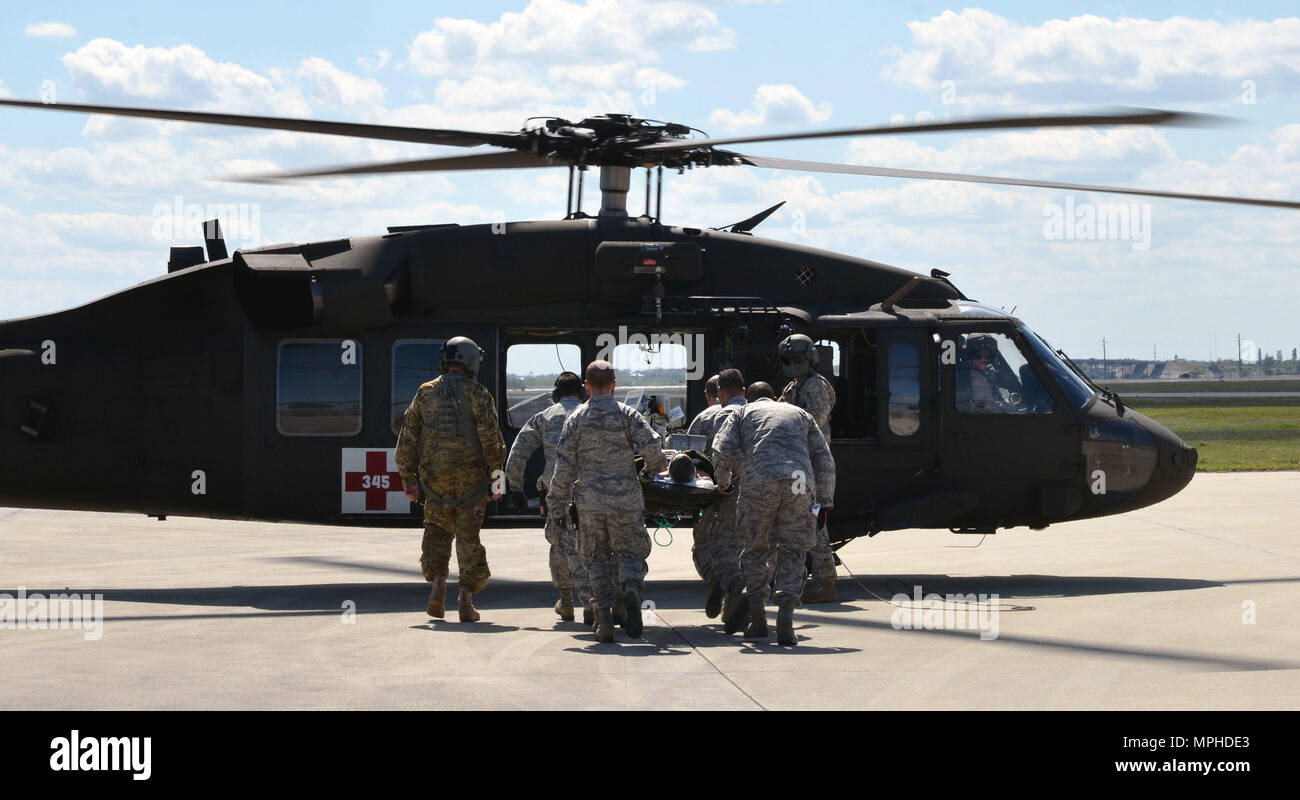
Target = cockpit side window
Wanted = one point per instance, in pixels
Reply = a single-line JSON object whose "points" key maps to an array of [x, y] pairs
{"points": [[1075, 387], [993, 376]]}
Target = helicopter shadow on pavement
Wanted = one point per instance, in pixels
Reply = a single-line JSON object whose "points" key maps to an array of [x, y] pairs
{"points": [[283, 600], [1023, 587], [690, 593], [1205, 660]]}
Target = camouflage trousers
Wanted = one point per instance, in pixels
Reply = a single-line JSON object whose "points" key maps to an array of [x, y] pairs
{"points": [[614, 545], [567, 569], [717, 545], [776, 528], [442, 526]]}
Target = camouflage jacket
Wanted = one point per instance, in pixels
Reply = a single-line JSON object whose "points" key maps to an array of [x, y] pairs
{"points": [[431, 445], [814, 394], [709, 426], [768, 441], [541, 430], [595, 450]]}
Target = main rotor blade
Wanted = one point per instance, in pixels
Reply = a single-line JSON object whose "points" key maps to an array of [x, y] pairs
{"points": [[1142, 116], [395, 133], [888, 172], [501, 159]]}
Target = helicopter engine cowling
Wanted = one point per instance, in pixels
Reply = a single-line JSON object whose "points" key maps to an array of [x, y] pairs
{"points": [[322, 284]]}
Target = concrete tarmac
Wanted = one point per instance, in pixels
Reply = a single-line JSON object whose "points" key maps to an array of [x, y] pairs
{"points": [[1185, 605]]}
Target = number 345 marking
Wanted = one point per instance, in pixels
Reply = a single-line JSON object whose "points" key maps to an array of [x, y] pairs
{"points": [[375, 482]]}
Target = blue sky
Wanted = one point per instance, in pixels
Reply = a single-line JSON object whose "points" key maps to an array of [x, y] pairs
{"points": [[78, 195]]}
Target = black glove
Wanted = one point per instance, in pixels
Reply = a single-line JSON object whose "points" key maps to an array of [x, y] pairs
{"points": [[517, 501]]}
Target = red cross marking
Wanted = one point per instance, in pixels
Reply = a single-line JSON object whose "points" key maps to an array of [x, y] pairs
{"points": [[376, 481]]}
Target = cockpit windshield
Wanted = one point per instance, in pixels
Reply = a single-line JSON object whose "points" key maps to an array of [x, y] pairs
{"points": [[1075, 387]]}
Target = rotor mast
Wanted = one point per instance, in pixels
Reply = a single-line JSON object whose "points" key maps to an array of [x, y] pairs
{"points": [[615, 181]]}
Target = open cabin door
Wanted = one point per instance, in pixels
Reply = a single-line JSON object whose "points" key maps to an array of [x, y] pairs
{"points": [[532, 363]]}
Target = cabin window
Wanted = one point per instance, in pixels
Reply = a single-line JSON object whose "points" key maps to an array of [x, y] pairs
{"points": [[993, 376], [415, 362], [651, 376], [531, 370], [904, 388], [318, 387]]}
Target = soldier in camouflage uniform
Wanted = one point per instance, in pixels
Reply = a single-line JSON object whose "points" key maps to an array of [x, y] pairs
{"points": [[451, 442], [595, 467], [814, 394], [782, 458], [703, 425], [711, 392], [568, 573], [716, 550]]}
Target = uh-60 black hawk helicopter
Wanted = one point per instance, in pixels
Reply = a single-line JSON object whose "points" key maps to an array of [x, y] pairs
{"points": [[262, 385]]}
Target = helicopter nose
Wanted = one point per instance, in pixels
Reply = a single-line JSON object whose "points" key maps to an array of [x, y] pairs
{"points": [[1176, 461]]}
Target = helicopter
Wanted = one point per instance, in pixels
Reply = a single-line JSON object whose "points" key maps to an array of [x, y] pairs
{"points": [[268, 384]]}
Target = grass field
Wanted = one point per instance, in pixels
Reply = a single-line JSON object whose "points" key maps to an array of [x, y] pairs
{"points": [[1233, 436], [1279, 384]]}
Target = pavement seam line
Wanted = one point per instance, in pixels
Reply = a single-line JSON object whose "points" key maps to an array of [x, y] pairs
{"points": [[1214, 538], [716, 669]]}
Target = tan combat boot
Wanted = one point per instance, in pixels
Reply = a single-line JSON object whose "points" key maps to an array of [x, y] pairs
{"points": [[820, 590], [737, 615], [785, 620], [757, 618], [468, 613], [438, 597], [604, 629], [564, 606], [713, 603], [632, 609]]}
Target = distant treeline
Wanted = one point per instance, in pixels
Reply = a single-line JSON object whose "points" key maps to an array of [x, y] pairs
{"points": [[1137, 369]]}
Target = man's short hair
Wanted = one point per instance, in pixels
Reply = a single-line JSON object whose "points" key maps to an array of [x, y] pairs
{"points": [[600, 374], [759, 389], [711, 386], [731, 380], [568, 384]]}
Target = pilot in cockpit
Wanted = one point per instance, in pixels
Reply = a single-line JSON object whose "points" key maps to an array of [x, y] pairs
{"points": [[983, 387]]}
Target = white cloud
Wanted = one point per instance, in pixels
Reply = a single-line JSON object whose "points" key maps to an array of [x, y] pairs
{"points": [[565, 58], [773, 104], [556, 31], [332, 86], [372, 65], [184, 75], [50, 30], [993, 60]]}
